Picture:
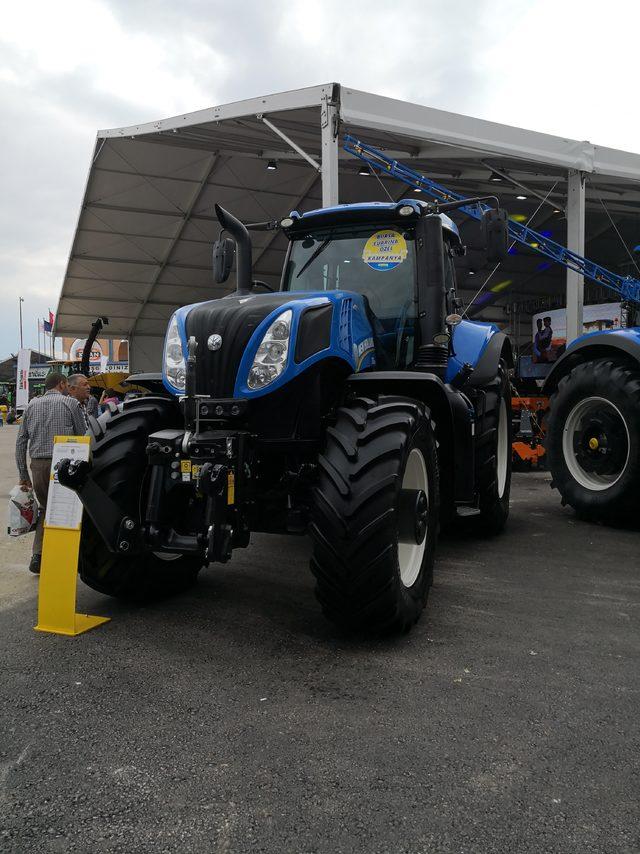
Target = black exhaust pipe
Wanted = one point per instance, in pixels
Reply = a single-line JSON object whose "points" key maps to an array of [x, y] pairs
{"points": [[243, 249], [96, 327]]}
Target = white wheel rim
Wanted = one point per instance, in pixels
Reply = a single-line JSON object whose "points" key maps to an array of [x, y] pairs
{"points": [[503, 450], [410, 555], [575, 424]]}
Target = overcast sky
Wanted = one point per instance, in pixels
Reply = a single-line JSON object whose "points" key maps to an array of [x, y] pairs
{"points": [[70, 67]]}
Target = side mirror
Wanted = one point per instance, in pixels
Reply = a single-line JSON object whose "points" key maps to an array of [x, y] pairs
{"points": [[224, 251], [495, 234]]}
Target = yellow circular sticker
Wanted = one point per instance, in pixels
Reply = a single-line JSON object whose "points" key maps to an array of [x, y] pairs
{"points": [[385, 250]]}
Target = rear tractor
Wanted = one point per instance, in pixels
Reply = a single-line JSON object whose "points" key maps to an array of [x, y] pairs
{"points": [[354, 404]]}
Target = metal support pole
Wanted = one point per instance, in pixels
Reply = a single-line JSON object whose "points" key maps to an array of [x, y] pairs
{"points": [[575, 242], [20, 301], [329, 126]]}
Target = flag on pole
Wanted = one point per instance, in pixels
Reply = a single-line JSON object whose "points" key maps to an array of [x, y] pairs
{"points": [[51, 318], [46, 325]]}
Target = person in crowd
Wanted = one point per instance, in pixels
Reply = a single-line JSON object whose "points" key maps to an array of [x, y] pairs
{"points": [[53, 414], [108, 396], [80, 389]]}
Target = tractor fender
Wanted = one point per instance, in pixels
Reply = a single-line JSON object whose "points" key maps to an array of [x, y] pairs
{"points": [[451, 410], [623, 344], [486, 369]]}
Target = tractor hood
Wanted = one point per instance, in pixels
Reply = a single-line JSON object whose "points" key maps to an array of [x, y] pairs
{"points": [[229, 331]]}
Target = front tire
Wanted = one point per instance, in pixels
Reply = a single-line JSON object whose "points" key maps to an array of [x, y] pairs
{"points": [[593, 440], [372, 566], [119, 464]]}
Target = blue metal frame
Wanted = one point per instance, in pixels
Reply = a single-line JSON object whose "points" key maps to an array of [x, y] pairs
{"points": [[625, 287]]}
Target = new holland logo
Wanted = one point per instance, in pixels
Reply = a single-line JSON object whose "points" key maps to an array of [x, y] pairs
{"points": [[214, 342]]}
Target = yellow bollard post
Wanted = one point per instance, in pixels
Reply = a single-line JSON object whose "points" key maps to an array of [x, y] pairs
{"points": [[59, 568]]}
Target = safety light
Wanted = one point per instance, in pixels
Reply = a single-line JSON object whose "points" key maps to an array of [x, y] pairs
{"points": [[271, 357], [272, 165]]}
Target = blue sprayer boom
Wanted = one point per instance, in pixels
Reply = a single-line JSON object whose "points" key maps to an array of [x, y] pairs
{"points": [[626, 288]]}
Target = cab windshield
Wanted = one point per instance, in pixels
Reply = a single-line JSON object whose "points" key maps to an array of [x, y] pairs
{"points": [[375, 261]]}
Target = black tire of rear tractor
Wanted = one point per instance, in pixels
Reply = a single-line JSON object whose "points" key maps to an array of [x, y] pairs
{"points": [[620, 385], [354, 526], [118, 467], [494, 491]]}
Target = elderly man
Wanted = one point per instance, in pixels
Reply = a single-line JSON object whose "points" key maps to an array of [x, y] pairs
{"points": [[80, 389], [53, 414]]}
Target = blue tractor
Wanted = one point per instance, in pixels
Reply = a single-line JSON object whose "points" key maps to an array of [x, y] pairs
{"points": [[354, 404]]}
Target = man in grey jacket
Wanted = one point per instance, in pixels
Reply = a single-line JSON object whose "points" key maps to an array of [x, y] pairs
{"points": [[53, 414]]}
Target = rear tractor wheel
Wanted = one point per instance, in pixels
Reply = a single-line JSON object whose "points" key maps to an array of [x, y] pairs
{"points": [[494, 455], [375, 515]]}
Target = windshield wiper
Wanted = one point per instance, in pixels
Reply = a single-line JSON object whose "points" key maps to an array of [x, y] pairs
{"points": [[314, 255]]}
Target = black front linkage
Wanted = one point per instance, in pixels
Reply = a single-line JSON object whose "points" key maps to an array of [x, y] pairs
{"points": [[120, 533]]}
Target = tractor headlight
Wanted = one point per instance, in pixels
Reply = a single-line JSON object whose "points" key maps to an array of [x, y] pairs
{"points": [[174, 363], [271, 356]]}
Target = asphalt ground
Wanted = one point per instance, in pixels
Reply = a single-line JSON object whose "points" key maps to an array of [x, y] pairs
{"points": [[235, 719]]}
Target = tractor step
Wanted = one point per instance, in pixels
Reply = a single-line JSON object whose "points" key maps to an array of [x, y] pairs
{"points": [[467, 512]]}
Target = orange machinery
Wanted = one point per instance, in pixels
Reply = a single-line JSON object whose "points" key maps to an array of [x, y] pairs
{"points": [[529, 427]]}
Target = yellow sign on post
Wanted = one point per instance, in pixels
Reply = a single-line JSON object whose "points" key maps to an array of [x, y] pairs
{"points": [[61, 545]]}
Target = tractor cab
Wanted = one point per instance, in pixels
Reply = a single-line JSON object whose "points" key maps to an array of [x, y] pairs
{"points": [[369, 249]]}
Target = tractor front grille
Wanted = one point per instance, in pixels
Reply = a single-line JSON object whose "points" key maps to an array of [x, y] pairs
{"points": [[235, 320]]}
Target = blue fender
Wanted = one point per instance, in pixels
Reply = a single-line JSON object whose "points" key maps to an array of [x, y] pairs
{"points": [[620, 343], [480, 345]]}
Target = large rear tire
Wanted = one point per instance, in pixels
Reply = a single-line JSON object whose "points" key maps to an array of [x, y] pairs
{"points": [[371, 574], [593, 441], [494, 454], [119, 465]]}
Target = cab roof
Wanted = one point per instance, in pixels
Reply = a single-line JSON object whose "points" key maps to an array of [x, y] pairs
{"points": [[362, 212]]}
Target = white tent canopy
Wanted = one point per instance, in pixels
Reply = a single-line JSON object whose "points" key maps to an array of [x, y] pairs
{"points": [[142, 246]]}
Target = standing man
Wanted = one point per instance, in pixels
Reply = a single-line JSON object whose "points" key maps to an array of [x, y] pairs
{"points": [[53, 414], [80, 390]]}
